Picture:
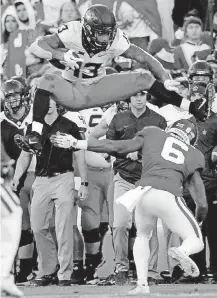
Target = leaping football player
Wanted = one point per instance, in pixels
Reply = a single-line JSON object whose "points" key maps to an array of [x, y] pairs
{"points": [[82, 49], [168, 161]]}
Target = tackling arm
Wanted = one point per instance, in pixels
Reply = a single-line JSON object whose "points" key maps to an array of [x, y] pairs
{"points": [[110, 146], [141, 56], [47, 47]]}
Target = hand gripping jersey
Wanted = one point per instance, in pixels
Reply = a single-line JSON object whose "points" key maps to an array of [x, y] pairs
{"points": [[167, 161], [93, 66]]}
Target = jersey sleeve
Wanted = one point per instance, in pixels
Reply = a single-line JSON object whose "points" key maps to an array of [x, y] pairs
{"points": [[120, 44], [68, 31]]}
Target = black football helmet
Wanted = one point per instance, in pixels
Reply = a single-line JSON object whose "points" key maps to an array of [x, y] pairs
{"points": [[199, 87], [200, 69], [14, 93], [100, 26], [20, 79], [185, 130]]}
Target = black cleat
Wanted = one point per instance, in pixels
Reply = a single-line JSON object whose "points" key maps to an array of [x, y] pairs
{"points": [[45, 280], [30, 143], [78, 276], [65, 283]]}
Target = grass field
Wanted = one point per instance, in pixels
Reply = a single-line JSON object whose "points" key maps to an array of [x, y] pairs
{"points": [[172, 291]]}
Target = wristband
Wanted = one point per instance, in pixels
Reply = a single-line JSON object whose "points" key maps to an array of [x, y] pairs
{"points": [[81, 144], [84, 183]]}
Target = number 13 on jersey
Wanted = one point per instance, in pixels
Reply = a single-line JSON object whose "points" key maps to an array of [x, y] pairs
{"points": [[173, 150]]}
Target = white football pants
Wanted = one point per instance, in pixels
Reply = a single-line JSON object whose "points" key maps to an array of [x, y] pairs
{"points": [[174, 214]]}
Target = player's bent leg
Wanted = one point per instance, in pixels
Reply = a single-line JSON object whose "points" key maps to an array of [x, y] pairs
{"points": [[182, 222], [191, 234], [121, 86]]}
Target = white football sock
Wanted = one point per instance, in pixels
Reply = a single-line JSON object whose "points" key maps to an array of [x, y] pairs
{"points": [[141, 253]]}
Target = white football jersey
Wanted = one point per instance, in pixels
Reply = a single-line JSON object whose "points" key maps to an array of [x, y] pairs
{"points": [[92, 117], [93, 66]]}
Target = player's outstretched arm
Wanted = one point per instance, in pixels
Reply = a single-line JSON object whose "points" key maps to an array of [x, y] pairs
{"points": [[115, 147], [104, 146], [47, 47], [136, 53], [197, 190]]}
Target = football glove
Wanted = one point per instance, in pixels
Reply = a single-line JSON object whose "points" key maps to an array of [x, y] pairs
{"points": [[72, 60]]}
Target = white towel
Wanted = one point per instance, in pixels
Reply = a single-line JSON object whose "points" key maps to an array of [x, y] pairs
{"points": [[131, 197]]}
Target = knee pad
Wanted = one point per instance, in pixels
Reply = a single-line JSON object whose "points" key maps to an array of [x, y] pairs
{"points": [[132, 231], [91, 236], [26, 238], [103, 228]]}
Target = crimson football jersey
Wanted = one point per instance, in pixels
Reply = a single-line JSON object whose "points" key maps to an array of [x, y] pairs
{"points": [[167, 161]]}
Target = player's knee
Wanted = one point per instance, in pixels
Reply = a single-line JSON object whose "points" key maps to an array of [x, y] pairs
{"points": [[89, 221], [103, 228], [91, 236], [47, 82], [26, 237]]}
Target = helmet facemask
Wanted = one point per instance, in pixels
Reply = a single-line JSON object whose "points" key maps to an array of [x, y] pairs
{"points": [[13, 102], [203, 90], [100, 38]]}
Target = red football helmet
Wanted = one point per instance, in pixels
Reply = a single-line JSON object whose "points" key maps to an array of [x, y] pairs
{"points": [[184, 129]]}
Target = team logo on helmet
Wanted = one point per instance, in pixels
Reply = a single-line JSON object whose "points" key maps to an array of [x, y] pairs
{"points": [[185, 130]]}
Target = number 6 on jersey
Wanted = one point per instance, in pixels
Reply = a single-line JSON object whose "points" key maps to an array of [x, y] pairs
{"points": [[173, 154]]}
